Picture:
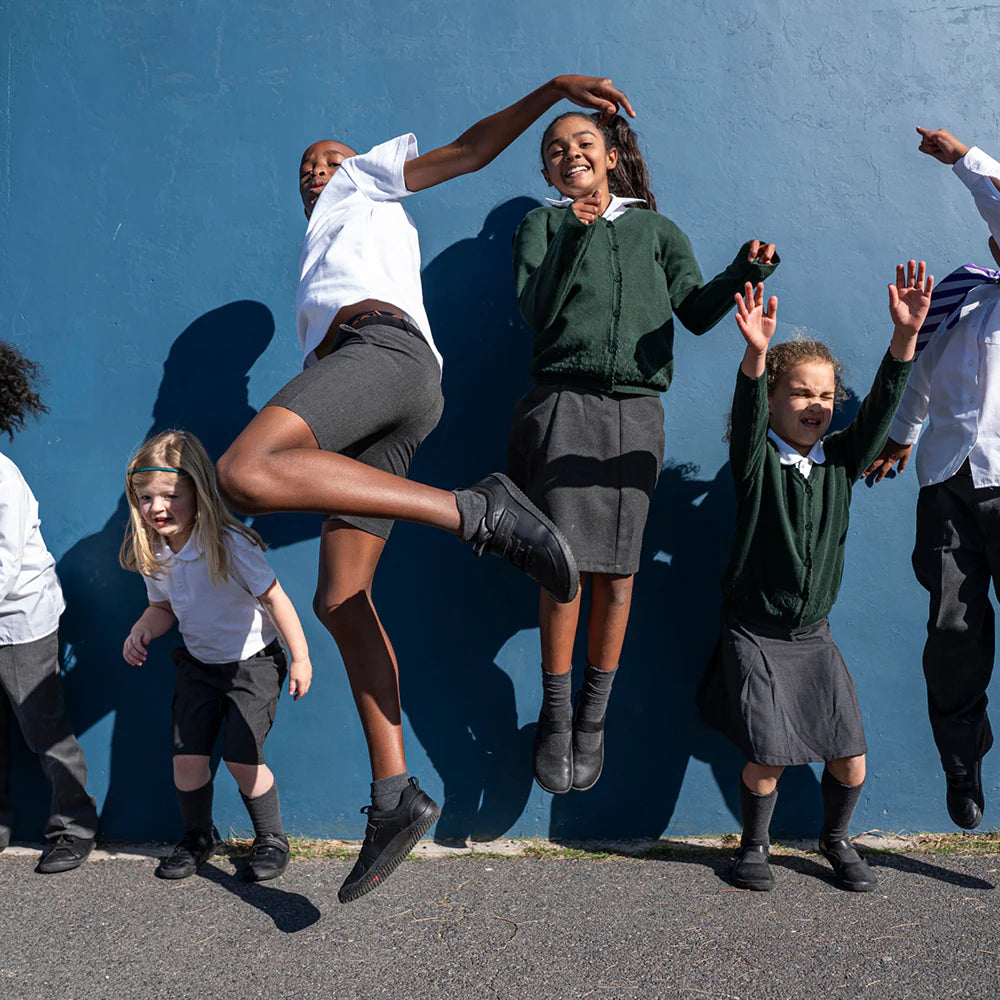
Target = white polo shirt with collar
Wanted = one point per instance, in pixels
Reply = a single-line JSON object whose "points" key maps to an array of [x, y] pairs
{"points": [[223, 622]]}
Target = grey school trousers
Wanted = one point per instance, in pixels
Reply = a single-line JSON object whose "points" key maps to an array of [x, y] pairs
{"points": [[31, 690], [956, 558]]}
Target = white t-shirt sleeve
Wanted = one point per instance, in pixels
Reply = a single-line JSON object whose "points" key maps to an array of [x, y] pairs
{"points": [[13, 519], [248, 565], [156, 593], [378, 174]]}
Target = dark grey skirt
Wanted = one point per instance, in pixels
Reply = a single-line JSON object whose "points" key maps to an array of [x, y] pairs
{"points": [[590, 460], [783, 696]]}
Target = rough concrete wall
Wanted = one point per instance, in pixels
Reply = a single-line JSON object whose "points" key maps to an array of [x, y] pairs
{"points": [[152, 233]]}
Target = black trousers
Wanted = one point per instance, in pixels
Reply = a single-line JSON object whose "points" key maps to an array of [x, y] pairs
{"points": [[956, 558]]}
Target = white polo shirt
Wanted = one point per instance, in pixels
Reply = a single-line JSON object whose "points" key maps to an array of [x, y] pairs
{"points": [[361, 244], [31, 599], [224, 622]]}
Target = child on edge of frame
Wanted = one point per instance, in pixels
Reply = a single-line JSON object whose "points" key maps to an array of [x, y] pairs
{"points": [[777, 685], [206, 572]]}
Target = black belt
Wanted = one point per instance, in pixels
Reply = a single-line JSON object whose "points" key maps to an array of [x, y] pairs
{"points": [[379, 317]]}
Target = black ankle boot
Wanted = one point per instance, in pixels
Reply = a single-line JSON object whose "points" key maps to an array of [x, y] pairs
{"points": [[553, 754]]}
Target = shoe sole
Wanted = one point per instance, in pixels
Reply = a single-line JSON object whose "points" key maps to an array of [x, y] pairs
{"points": [[159, 873], [552, 791], [844, 884], [574, 573], [752, 886], [392, 856], [587, 788]]}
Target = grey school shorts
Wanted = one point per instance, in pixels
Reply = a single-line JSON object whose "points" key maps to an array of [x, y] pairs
{"points": [[373, 398], [239, 698]]}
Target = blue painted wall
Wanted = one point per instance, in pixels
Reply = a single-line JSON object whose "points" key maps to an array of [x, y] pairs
{"points": [[152, 222]]}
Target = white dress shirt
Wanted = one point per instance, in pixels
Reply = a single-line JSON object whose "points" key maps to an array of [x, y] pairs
{"points": [[616, 207], [955, 383], [791, 456], [31, 599], [361, 244]]}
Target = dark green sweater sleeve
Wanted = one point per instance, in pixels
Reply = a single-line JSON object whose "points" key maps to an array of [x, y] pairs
{"points": [[863, 439], [701, 306], [748, 430], [545, 270]]}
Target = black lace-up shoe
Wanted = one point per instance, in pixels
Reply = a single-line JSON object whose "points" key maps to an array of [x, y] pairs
{"points": [[64, 853], [965, 796], [187, 857], [268, 858], [850, 870], [516, 530], [391, 835], [751, 870]]}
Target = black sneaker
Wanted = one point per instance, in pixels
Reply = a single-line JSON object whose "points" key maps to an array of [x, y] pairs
{"points": [[391, 835], [64, 853], [188, 856], [268, 857], [751, 870], [516, 530], [965, 796], [850, 870]]}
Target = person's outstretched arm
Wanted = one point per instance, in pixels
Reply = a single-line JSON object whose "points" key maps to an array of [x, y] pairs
{"points": [[475, 147]]}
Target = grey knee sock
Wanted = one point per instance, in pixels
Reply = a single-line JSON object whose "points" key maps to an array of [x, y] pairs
{"points": [[839, 803], [757, 811], [472, 510], [265, 812], [196, 809], [386, 792], [593, 705]]}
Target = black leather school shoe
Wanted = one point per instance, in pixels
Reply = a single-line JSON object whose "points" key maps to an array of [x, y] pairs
{"points": [[553, 754], [516, 530], [751, 870], [64, 853], [188, 856], [587, 766], [268, 858], [965, 796], [850, 870]]}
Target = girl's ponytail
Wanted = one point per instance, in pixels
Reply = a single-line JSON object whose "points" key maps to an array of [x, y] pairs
{"points": [[630, 178]]}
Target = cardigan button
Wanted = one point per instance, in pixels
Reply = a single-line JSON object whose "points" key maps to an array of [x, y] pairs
{"points": [[617, 313], [618, 277]]}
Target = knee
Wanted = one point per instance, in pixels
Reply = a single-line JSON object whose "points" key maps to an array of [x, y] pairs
{"points": [[242, 482], [618, 589], [848, 770], [191, 772], [343, 617]]}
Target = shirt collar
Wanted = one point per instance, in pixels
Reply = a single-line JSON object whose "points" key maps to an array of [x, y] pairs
{"points": [[616, 206], [192, 550], [789, 456]]}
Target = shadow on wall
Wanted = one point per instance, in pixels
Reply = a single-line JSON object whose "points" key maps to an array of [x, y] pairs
{"points": [[203, 390]]}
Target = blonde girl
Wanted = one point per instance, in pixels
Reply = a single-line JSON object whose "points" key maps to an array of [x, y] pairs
{"points": [[206, 573]]}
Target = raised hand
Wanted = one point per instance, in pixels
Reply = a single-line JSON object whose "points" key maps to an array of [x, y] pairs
{"points": [[756, 325], [588, 208], [761, 253], [941, 144], [910, 297], [594, 92]]}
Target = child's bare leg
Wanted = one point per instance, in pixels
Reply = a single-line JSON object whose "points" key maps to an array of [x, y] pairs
{"points": [[553, 752], [191, 771], [343, 603], [253, 779], [610, 603], [275, 464], [841, 787], [270, 852], [758, 796], [193, 781]]}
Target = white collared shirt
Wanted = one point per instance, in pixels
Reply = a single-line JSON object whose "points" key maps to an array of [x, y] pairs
{"points": [[223, 622], [616, 207], [31, 599], [790, 456], [955, 383], [361, 244]]}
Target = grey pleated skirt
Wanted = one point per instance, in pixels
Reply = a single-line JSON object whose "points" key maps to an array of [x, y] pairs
{"points": [[783, 696], [590, 460]]}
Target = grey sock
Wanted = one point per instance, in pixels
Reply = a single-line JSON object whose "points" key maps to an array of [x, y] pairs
{"points": [[839, 803], [757, 811], [386, 792], [265, 812], [556, 701], [196, 809], [472, 510], [592, 706]]}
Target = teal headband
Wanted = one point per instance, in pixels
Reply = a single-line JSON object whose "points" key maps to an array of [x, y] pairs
{"points": [[159, 468]]}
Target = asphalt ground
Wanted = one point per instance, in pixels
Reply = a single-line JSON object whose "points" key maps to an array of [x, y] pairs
{"points": [[484, 926]]}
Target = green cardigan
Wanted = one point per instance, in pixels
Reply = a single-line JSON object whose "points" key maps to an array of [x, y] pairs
{"points": [[787, 556], [601, 298]]}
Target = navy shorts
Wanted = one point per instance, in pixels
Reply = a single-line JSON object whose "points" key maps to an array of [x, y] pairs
{"points": [[239, 698]]}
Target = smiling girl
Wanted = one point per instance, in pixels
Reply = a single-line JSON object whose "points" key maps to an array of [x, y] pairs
{"points": [[206, 573], [599, 278], [777, 684]]}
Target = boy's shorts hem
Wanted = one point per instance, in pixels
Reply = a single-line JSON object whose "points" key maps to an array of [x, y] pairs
{"points": [[239, 698]]}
